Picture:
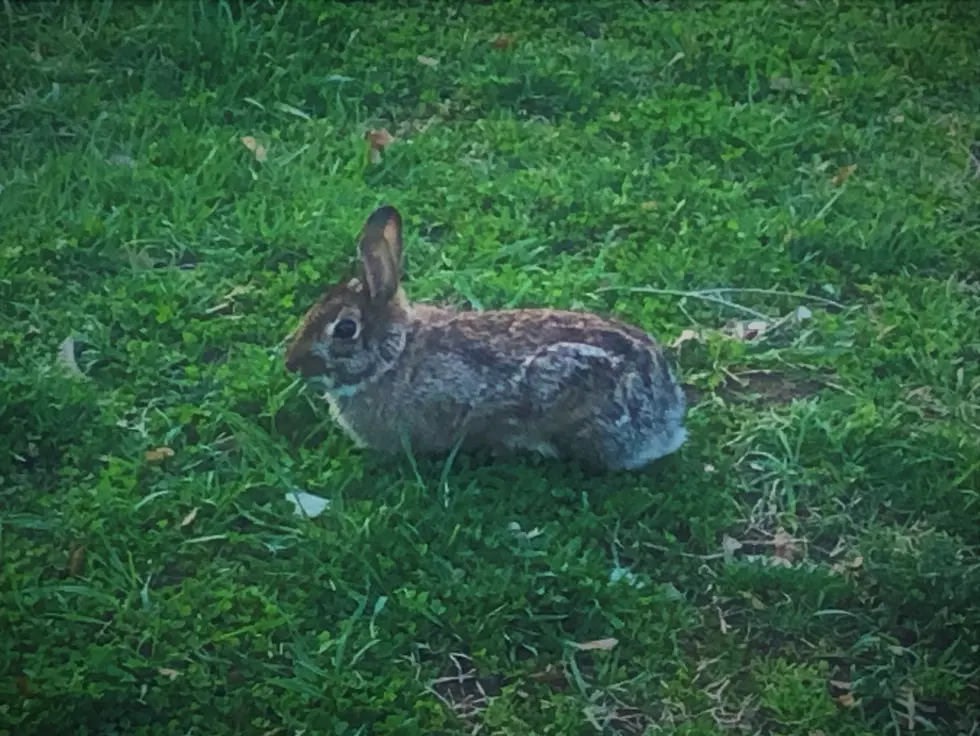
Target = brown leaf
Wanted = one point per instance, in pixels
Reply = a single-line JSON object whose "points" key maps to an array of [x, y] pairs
{"points": [[24, 686], [158, 454], [189, 518], [848, 565], [602, 644], [378, 141], [427, 61], [257, 149], [504, 41], [76, 560], [169, 673], [651, 205], [846, 700], [749, 331], [551, 675], [783, 545], [843, 174]]}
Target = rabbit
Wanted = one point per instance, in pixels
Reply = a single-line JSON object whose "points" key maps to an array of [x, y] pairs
{"points": [[565, 384]]}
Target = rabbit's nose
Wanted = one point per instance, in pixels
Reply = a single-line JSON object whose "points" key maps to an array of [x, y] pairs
{"points": [[295, 360]]}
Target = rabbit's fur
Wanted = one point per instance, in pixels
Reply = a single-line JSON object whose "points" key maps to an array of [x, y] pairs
{"points": [[561, 383]]}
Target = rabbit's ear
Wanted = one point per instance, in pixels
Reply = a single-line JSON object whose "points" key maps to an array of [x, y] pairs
{"points": [[381, 253]]}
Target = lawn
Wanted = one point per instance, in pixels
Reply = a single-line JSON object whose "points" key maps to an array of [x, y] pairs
{"points": [[786, 194]]}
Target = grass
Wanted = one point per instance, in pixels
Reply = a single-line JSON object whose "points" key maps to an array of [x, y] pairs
{"points": [[807, 564]]}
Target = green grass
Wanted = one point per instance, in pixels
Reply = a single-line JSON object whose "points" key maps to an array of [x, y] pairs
{"points": [[618, 156]]}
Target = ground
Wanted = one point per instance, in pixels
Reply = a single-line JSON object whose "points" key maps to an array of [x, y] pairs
{"points": [[785, 194]]}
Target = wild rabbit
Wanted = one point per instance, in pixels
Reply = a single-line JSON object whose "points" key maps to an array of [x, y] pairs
{"points": [[561, 383]]}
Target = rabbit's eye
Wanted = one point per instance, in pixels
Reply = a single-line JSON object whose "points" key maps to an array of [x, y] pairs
{"points": [[345, 329]]}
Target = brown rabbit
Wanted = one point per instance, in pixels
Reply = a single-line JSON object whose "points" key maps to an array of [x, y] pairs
{"points": [[561, 383]]}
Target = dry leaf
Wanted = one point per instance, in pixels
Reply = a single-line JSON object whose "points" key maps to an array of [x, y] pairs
{"points": [[784, 548], [307, 504], [846, 700], [378, 141], [121, 159], [36, 54], [625, 574], [504, 40], [729, 546], [722, 623], [601, 644], [76, 561], [839, 547], [257, 149], [24, 686], [66, 357], [228, 299], [516, 529], [908, 700], [189, 519], [843, 174], [552, 675], [169, 673], [848, 566], [755, 329], [158, 454], [802, 313], [238, 290], [748, 331], [651, 205], [684, 337], [615, 117], [427, 61]]}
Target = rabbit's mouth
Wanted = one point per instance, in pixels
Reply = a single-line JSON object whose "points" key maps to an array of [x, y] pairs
{"points": [[326, 384]]}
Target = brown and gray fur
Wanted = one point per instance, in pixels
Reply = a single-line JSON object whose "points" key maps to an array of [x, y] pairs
{"points": [[561, 383]]}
